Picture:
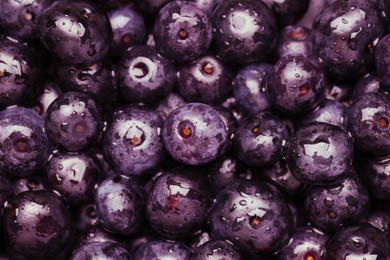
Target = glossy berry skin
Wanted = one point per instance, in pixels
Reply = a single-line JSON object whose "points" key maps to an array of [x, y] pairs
{"points": [[33, 182], [102, 250], [368, 83], [296, 84], [281, 176], [120, 205], [19, 18], [74, 121], [85, 217], [287, 11], [37, 224], [207, 6], [144, 76], [206, 80], [170, 103], [194, 134], [244, 31], [76, 32], [319, 153], [292, 40], [216, 249], [344, 35], [95, 80], [19, 71], [179, 203], [252, 215], [132, 143], [162, 249], [24, 145], [305, 242], [73, 175], [382, 60], [182, 32], [328, 111], [376, 175], [358, 241], [128, 27], [335, 206], [249, 88], [380, 220], [259, 140], [368, 122]]}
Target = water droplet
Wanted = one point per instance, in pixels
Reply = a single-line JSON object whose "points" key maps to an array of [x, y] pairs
{"points": [[344, 21], [64, 127], [243, 202]]}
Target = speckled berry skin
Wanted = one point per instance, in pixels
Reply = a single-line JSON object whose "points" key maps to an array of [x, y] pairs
{"points": [[259, 140], [380, 220], [375, 171], [368, 83], [144, 76], [249, 88], [304, 242], [216, 249], [120, 205], [296, 84], [37, 224], [368, 122], [19, 18], [194, 134], [128, 27], [132, 143], [253, 215], [382, 60], [243, 31], [19, 71], [100, 250], [76, 32], [343, 36], [182, 32], [73, 121], [162, 249], [359, 241], [179, 203], [206, 79], [74, 175], [319, 153], [336, 206], [95, 80], [24, 145], [292, 40], [328, 111]]}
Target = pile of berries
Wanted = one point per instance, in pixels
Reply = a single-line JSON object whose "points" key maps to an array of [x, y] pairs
{"points": [[195, 129]]}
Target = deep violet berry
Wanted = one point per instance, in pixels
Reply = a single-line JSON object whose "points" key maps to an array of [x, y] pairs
{"points": [[37, 224], [20, 68], [162, 249], [296, 84], [182, 31], [144, 76], [216, 249], [206, 80], [249, 88], [132, 143], [74, 121], [382, 60], [76, 32], [335, 206], [319, 153], [292, 40], [30, 183], [306, 243], [24, 145], [360, 241], [259, 140], [102, 250], [375, 172], [179, 203], [253, 215], [120, 205], [194, 134], [368, 83], [73, 175], [344, 35], [368, 121], [19, 18], [287, 11], [244, 31]]}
